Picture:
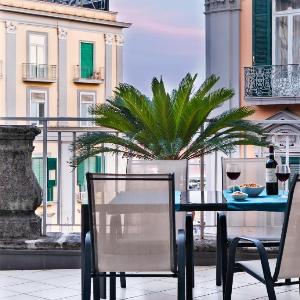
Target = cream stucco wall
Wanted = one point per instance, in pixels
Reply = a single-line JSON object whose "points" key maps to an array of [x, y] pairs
{"points": [[266, 111]]}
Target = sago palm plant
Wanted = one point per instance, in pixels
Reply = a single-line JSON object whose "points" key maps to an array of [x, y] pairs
{"points": [[168, 126]]}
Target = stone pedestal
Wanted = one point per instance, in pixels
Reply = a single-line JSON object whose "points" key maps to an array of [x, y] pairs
{"points": [[20, 193]]}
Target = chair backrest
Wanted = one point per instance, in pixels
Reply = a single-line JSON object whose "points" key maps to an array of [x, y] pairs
{"points": [[178, 167], [252, 171], [288, 263], [147, 243]]}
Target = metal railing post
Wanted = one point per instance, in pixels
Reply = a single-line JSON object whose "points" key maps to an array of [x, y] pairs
{"points": [[73, 185], [45, 177], [59, 163], [202, 186]]}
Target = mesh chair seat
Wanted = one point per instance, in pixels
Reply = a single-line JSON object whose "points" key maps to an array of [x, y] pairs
{"points": [[178, 167], [260, 233], [255, 266]]}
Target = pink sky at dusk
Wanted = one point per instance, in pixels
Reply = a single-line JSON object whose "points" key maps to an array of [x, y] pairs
{"points": [[167, 38]]}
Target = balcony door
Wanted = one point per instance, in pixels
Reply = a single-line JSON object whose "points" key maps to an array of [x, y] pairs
{"points": [[286, 32], [37, 67]]}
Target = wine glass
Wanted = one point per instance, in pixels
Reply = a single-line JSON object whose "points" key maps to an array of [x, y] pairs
{"points": [[233, 171], [283, 173]]}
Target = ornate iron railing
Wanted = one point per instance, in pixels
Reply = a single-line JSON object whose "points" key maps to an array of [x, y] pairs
{"points": [[272, 81], [94, 4]]}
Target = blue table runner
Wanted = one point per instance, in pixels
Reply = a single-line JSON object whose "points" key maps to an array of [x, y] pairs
{"points": [[263, 202]]}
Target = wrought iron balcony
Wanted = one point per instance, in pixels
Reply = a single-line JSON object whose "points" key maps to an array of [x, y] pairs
{"points": [[88, 75], [93, 4], [39, 73], [277, 84]]}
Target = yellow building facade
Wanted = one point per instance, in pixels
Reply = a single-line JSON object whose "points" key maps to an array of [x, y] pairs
{"points": [[57, 59]]}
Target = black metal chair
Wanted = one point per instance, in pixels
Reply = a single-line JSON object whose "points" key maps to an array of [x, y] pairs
{"points": [[287, 264], [231, 224], [146, 245]]}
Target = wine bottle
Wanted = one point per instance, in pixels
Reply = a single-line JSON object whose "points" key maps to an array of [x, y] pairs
{"points": [[271, 179]]}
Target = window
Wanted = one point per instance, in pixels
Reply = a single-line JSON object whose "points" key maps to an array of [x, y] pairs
{"points": [[286, 33], [38, 104], [282, 5], [87, 99], [37, 58], [86, 60]]}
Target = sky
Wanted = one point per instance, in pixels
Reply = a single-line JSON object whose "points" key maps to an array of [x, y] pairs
{"points": [[167, 38]]}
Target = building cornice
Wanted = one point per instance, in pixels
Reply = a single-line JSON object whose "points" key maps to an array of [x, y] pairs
{"points": [[212, 6], [59, 11]]}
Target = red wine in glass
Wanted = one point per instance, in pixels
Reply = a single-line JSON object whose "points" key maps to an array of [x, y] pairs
{"points": [[283, 176], [233, 175], [283, 173]]}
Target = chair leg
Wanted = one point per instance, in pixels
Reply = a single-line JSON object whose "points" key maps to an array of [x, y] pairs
{"points": [[270, 289], [227, 289], [123, 280], [112, 286], [86, 283], [189, 255], [218, 255], [96, 288], [181, 266], [102, 282], [223, 247]]}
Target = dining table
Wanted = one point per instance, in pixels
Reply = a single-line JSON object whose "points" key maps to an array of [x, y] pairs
{"points": [[211, 201]]}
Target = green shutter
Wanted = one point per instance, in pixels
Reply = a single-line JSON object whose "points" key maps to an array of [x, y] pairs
{"points": [[37, 167], [98, 164], [262, 32], [93, 165], [87, 59]]}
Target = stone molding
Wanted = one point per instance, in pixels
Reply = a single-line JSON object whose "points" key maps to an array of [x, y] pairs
{"points": [[109, 37], [221, 5], [11, 27], [62, 33], [120, 39]]}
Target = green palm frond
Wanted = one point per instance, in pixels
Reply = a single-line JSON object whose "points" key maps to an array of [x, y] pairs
{"points": [[169, 126]]}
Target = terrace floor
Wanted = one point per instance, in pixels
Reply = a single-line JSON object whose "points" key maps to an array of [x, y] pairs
{"points": [[65, 284]]}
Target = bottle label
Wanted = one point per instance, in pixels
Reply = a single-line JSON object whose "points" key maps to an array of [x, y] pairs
{"points": [[270, 175]]}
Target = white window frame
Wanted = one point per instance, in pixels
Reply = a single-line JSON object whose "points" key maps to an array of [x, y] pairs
{"points": [[289, 13], [45, 92], [86, 123]]}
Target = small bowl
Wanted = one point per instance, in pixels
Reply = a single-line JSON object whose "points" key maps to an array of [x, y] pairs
{"points": [[239, 196], [233, 188], [252, 191]]}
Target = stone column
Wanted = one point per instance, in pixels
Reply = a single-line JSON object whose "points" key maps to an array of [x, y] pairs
{"points": [[62, 73], [120, 43], [108, 64], [222, 19], [20, 193], [10, 69]]}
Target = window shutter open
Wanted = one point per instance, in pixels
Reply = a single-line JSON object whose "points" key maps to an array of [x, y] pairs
{"points": [[262, 32], [87, 60]]}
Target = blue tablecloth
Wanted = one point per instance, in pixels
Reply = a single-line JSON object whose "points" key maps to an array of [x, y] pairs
{"points": [[261, 203]]}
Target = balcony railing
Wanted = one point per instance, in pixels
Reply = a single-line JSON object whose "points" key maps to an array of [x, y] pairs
{"points": [[88, 75], [277, 84], [58, 135], [39, 73], [94, 4]]}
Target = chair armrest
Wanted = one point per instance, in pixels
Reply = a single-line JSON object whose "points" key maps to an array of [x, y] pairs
{"points": [[261, 251], [257, 243]]}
